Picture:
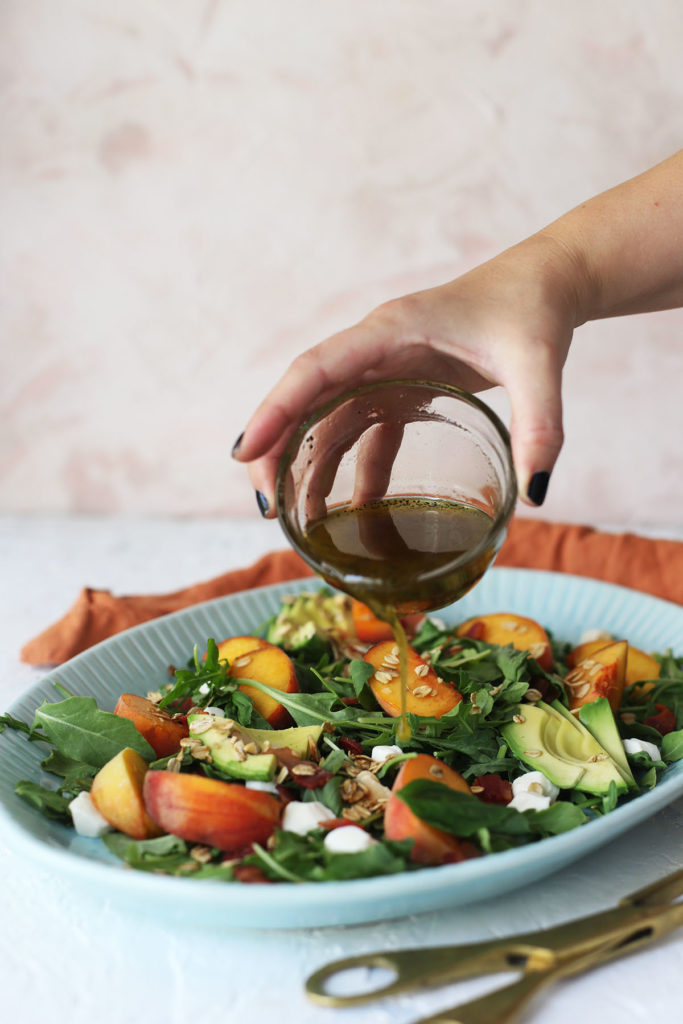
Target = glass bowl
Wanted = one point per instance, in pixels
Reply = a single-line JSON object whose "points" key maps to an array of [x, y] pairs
{"points": [[398, 493]]}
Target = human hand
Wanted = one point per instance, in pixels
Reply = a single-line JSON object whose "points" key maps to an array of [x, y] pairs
{"points": [[508, 322]]}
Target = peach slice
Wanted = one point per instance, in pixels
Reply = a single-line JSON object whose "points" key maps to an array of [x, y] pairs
{"points": [[601, 675], [427, 694], [504, 628], [201, 810], [270, 665], [235, 646], [370, 630], [117, 795], [158, 727], [432, 846], [639, 665]]}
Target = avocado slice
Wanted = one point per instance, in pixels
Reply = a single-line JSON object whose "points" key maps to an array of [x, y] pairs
{"points": [[315, 617], [564, 751], [225, 754], [614, 747], [526, 741], [598, 718], [297, 738]]}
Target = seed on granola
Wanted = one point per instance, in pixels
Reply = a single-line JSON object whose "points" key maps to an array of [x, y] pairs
{"points": [[495, 690], [383, 677], [476, 789], [533, 753], [581, 691], [535, 787], [202, 854], [352, 791], [251, 748], [422, 691], [537, 650], [511, 625], [421, 670], [392, 659], [154, 696], [436, 771], [303, 768], [518, 719], [532, 694], [394, 649], [241, 662], [475, 710], [199, 725]]}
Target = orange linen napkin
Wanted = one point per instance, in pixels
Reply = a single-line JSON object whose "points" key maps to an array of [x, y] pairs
{"points": [[653, 566]]}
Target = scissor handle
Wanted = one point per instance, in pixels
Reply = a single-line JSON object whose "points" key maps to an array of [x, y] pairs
{"points": [[409, 967]]}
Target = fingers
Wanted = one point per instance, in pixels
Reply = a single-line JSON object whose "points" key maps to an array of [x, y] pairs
{"points": [[314, 377], [533, 381], [378, 448]]}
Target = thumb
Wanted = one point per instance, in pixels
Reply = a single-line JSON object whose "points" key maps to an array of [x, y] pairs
{"points": [[535, 393]]}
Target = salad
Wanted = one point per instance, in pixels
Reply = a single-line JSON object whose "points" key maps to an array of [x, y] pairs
{"points": [[273, 758]]}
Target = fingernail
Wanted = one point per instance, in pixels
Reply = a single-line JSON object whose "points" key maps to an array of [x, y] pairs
{"points": [[538, 485], [236, 446], [262, 503]]}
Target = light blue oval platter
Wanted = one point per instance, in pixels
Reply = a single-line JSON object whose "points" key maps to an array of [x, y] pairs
{"points": [[137, 661]]}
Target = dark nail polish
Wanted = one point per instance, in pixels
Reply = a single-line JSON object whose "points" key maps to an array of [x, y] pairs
{"points": [[236, 446], [262, 503], [538, 485]]}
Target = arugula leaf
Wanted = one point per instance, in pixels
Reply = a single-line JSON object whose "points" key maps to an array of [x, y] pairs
{"points": [[305, 858], [165, 853], [8, 721], [464, 815], [79, 730], [47, 801], [672, 746], [60, 764]]}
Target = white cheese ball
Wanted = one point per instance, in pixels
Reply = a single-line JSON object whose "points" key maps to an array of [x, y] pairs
{"points": [[643, 747], [86, 818], [527, 801], [264, 787], [348, 839], [303, 817], [535, 782], [383, 753]]}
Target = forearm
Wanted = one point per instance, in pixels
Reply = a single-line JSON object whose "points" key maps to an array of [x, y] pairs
{"points": [[624, 247]]}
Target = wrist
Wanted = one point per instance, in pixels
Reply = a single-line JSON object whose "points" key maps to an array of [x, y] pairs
{"points": [[569, 281]]}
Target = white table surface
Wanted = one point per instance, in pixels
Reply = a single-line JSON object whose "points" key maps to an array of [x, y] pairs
{"points": [[65, 958]]}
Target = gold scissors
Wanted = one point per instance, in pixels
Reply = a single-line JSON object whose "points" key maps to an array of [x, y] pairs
{"points": [[542, 957]]}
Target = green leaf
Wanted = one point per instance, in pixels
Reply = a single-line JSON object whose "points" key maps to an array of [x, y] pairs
{"points": [[672, 746], [60, 764], [165, 853], [47, 801], [9, 722], [359, 673], [79, 730], [464, 815]]}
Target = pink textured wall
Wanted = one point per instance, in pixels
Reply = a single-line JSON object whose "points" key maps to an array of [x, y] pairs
{"points": [[193, 192]]}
